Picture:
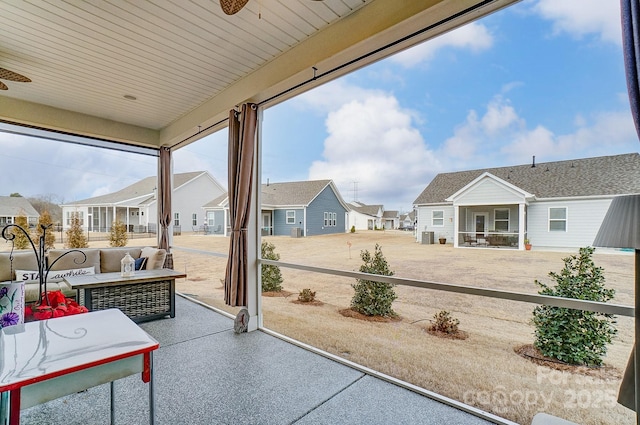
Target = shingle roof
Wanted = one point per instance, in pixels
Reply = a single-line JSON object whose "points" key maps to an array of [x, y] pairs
{"points": [[604, 175], [13, 206], [390, 214], [283, 194], [372, 210], [143, 187], [292, 193]]}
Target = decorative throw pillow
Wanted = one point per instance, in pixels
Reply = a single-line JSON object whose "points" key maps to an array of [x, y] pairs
{"points": [[31, 276], [141, 263], [155, 257]]}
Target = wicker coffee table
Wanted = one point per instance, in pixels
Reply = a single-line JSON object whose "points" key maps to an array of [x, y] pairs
{"points": [[148, 294]]}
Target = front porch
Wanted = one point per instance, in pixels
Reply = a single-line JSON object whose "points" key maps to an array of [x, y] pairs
{"points": [[206, 374]]}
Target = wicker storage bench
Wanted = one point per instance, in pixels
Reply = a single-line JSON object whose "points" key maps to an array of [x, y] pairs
{"points": [[149, 294]]}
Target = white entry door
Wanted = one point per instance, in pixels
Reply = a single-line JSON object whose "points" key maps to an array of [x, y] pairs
{"points": [[480, 220]]}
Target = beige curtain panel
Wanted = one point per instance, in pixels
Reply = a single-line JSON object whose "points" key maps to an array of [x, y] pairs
{"points": [[242, 135], [164, 197]]}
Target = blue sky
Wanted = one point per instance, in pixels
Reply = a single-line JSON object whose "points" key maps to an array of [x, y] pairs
{"points": [[541, 78]]}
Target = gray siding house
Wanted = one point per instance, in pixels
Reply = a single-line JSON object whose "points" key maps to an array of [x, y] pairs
{"points": [[302, 208], [14, 206], [551, 205]]}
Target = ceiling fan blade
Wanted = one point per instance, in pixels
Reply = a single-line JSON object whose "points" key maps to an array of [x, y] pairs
{"points": [[231, 7], [5, 74], [3, 86]]}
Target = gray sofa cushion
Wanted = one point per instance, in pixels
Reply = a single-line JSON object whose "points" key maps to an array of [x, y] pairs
{"points": [[23, 260], [74, 260], [110, 258]]}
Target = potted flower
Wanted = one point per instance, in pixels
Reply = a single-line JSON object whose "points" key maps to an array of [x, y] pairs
{"points": [[527, 244], [442, 239]]}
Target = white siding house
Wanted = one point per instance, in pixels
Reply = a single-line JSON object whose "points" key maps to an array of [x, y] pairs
{"points": [[552, 205], [136, 205]]}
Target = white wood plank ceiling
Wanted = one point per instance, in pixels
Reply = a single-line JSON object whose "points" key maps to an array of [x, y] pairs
{"points": [[184, 61]]}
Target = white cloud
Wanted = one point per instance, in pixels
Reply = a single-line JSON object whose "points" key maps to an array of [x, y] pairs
{"points": [[474, 36], [33, 167], [583, 17], [372, 141], [500, 136], [333, 95]]}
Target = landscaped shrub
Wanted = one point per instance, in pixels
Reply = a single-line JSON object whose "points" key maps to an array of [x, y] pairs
{"points": [[575, 336], [75, 235], [374, 298], [21, 241], [271, 276], [118, 234], [50, 237], [444, 322], [353, 229], [306, 295]]}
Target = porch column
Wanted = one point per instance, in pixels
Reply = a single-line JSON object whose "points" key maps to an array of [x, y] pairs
{"points": [[456, 225], [254, 236], [522, 217], [113, 215]]}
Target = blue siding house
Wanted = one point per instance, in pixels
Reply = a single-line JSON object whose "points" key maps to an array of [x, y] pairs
{"points": [[296, 209]]}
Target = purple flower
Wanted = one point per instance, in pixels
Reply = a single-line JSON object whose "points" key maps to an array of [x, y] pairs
{"points": [[9, 319], [3, 291]]}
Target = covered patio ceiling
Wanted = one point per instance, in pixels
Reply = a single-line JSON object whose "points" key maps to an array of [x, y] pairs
{"points": [[166, 72]]}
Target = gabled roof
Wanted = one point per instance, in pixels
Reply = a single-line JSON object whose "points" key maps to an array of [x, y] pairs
{"points": [[600, 176], [13, 206], [371, 210], [288, 194], [141, 191], [488, 176], [391, 214]]}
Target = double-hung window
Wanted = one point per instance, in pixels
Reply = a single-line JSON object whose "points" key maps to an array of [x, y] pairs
{"points": [[501, 220], [558, 219], [291, 217], [437, 218]]}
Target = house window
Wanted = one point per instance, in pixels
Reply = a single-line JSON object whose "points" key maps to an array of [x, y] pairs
{"points": [[291, 217], [194, 219], [326, 219], [211, 218], [558, 219], [141, 212], [133, 213], [501, 220], [79, 214], [176, 219], [437, 218], [334, 218]]}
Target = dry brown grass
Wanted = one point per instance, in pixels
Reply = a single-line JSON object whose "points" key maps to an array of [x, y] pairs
{"points": [[484, 370]]}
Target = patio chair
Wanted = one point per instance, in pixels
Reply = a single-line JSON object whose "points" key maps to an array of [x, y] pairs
{"points": [[469, 240]]}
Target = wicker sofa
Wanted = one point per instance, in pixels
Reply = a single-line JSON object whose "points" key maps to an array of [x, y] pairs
{"points": [[99, 260]]}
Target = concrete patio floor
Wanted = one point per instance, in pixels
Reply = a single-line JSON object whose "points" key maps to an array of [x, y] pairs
{"points": [[207, 374]]}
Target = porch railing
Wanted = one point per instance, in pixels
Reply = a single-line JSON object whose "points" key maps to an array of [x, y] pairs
{"points": [[496, 239]]}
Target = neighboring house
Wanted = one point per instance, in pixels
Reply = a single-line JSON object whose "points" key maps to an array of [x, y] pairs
{"points": [[136, 205], [408, 221], [554, 205], [365, 217], [14, 206], [303, 208], [390, 220]]}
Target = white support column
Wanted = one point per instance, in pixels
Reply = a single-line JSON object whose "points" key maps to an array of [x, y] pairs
{"points": [[254, 239], [522, 218], [456, 225]]}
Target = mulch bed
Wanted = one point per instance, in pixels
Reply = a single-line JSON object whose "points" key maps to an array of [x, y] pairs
{"points": [[314, 302], [348, 312], [461, 335], [531, 353]]}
